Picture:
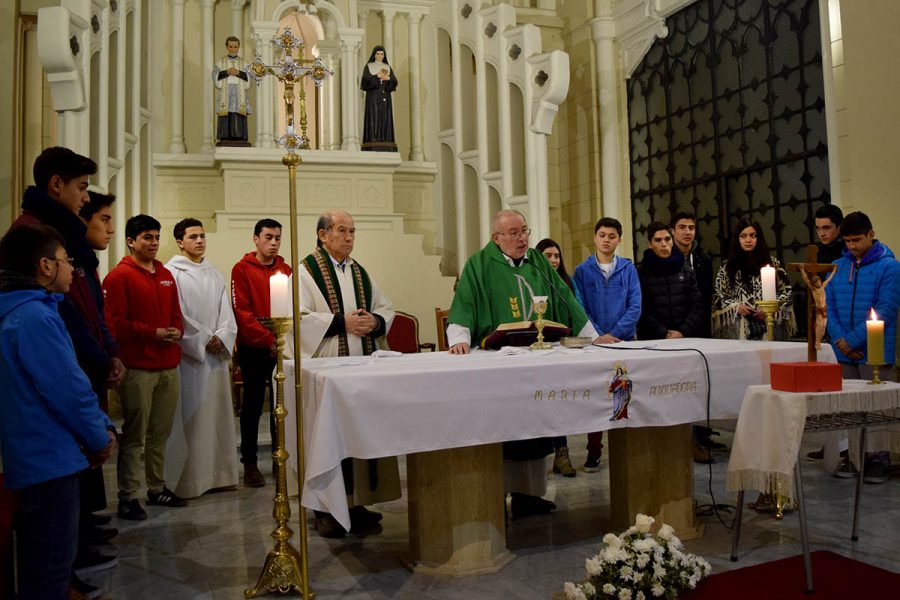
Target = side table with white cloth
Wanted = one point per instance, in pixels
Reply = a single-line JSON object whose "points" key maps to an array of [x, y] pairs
{"points": [[449, 413], [766, 446]]}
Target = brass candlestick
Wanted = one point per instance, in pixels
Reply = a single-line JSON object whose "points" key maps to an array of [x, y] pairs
{"points": [[770, 307], [282, 571], [876, 376], [285, 567], [539, 303]]}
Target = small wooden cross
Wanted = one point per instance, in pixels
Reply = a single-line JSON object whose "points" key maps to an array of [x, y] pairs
{"points": [[811, 267]]}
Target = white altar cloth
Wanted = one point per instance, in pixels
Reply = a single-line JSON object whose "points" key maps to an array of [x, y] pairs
{"points": [[369, 407], [767, 439]]}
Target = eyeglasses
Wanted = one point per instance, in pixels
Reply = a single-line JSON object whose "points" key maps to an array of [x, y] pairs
{"points": [[67, 259], [516, 233]]}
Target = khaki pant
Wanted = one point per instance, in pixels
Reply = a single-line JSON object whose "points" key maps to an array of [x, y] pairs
{"points": [[149, 400]]}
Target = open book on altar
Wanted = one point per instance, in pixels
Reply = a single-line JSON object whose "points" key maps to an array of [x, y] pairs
{"points": [[523, 333]]}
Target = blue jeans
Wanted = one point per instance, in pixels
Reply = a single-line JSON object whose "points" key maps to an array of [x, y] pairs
{"points": [[48, 538]]}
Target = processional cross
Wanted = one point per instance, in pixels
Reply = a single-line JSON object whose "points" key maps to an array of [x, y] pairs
{"points": [[286, 568], [809, 270]]}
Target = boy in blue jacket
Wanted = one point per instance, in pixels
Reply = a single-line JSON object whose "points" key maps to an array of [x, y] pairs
{"points": [[51, 425], [610, 291], [867, 277]]}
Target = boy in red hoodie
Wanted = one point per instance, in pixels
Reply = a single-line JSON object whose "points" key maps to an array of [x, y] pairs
{"points": [[143, 313], [255, 343]]}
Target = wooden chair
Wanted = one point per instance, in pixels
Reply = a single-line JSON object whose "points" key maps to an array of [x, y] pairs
{"points": [[440, 319], [403, 336]]}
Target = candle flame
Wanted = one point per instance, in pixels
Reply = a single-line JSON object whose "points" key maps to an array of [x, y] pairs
{"points": [[873, 316]]}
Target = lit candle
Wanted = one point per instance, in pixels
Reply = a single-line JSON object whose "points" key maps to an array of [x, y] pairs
{"points": [[875, 339], [279, 296], [767, 273]]}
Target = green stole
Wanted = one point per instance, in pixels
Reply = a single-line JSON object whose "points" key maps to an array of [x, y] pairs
{"points": [[321, 268]]}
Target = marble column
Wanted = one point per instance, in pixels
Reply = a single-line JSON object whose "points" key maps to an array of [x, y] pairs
{"points": [[265, 97], [387, 32], [329, 116], [176, 142], [350, 118], [361, 18], [237, 18], [207, 146], [415, 92], [603, 34]]}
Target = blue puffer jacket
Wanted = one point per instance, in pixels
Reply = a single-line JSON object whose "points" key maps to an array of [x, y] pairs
{"points": [[48, 410], [613, 305], [856, 288]]}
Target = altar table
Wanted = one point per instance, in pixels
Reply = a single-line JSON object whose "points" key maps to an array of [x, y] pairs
{"points": [[448, 413]]}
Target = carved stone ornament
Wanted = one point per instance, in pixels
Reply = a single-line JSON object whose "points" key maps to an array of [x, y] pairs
{"points": [[466, 11], [74, 45], [490, 30], [514, 52]]}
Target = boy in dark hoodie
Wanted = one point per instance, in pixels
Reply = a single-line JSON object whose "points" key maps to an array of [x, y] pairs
{"points": [[51, 425], [59, 193], [670, 295]]}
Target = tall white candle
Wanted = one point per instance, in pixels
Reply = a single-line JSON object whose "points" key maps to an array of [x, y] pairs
{"points": [[767, 274], [874, 340], [279, 296]]}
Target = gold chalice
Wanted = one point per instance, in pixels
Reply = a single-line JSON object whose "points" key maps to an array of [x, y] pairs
{"points": [[539, 303]]}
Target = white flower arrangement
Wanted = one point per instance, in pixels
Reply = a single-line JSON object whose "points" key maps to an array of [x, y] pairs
{"points": [[638, 565]]}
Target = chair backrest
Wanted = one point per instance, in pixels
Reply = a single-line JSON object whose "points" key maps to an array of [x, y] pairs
{"points": [[403, 336], [440, 320]]}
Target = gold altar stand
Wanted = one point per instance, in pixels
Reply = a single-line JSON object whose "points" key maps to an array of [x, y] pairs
{"points": [[457, 524]]}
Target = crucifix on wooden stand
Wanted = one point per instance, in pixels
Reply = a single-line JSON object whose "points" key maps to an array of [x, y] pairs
{"points": [[813, 272]]}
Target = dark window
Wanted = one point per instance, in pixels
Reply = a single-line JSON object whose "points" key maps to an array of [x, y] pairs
{"points": [[727, 119]]}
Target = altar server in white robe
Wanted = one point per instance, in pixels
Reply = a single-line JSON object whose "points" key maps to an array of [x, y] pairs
{"points": [[348, 316], [202, 450]]}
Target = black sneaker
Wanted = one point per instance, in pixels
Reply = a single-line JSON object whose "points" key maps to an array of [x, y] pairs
{"points": [[165, 498], [90, 560], [131, 510], [95, 536], [877, 468], [591, 464], [84, 588], [816, 455], [93, 519]]}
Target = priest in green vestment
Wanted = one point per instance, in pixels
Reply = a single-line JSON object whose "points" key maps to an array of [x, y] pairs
{"points": [[345, 314], [496, 287]]}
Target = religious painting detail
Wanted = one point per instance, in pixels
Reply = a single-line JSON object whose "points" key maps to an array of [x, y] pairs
{"points": [[619, 391], [727, 120], [378, 82]]}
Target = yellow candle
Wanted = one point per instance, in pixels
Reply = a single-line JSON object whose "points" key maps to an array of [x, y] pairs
{"points": [[875, 339]]}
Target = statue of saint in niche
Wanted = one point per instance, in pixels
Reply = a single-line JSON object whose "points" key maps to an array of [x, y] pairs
{"points": [[232, 79], [378, 82]]}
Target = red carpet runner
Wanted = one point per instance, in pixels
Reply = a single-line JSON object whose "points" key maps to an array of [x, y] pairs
{"points": [[834, 577]]}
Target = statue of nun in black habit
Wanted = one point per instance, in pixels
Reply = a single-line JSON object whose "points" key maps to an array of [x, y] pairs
{"points": [[378, 81]]}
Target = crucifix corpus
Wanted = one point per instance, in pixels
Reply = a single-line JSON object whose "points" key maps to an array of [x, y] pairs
{"points": [[813, 273]]}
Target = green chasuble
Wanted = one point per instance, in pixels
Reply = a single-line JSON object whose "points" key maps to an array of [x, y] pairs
{"points": [[491, 292]]}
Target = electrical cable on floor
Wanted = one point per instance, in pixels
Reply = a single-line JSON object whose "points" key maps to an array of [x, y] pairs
{"points": [[703, 509]]}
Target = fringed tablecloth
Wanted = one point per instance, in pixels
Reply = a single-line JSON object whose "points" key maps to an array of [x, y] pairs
{"points": [[771, 425]]}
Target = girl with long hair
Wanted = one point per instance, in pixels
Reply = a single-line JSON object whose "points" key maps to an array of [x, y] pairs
{"points": [[738, 288]]}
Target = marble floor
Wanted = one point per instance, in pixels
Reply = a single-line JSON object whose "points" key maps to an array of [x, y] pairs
{"points": [[215, 547]]}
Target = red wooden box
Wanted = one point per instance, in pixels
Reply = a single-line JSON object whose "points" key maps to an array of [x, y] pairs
{"points": [[806, 377]]}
